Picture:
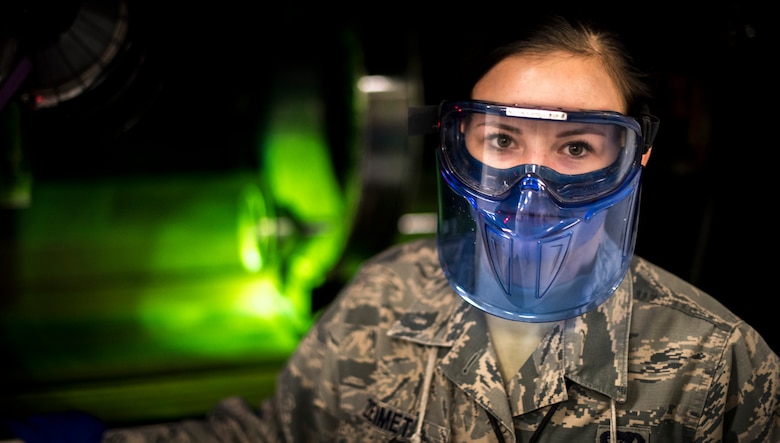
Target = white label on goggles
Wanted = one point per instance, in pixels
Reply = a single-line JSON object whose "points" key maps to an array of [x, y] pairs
{"points": [[536, 113]]}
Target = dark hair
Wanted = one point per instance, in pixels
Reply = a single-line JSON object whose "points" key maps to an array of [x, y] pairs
{"points": [[556, 33]]}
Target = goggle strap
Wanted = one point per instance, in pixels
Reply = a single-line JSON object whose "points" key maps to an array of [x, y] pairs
{"points": [[650, 124]]}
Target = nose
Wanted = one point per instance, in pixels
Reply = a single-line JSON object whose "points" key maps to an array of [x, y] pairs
{"points": [[533, 201], [530, 212], [530, 183]]}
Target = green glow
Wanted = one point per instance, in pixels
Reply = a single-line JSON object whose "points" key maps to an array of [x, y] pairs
{"points": [[299, 175], [253, 234], [302, 180], [115, 275], [142, 279], [124, 276], [239, 315]]}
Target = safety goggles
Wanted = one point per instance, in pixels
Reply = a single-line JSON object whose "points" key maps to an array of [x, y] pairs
{"points": [[578, 156]]}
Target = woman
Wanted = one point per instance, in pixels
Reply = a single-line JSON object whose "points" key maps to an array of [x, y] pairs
{"points": [[528, 317]]}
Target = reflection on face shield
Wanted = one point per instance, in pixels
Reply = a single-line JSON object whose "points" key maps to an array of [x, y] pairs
{"points": [[537, 216]]}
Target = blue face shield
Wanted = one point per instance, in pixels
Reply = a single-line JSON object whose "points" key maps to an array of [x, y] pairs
{"points": [[537, 208]]}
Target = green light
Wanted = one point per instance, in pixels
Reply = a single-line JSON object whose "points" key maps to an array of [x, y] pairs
{"points": [[234, 316], [262, 299], [302, 182], [310, 203], [253, 231], [134, 277], [301, 176], [146, 272]]}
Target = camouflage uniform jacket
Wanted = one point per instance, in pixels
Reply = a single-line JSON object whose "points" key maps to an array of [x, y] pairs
{"points": [[660, 361]]}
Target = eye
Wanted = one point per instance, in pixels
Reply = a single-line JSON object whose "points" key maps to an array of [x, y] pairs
{"points": [[501, 140], [578, 149]]}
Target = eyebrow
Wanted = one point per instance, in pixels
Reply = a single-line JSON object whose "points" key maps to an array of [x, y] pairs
{"points": [[503, 127], [589, 129], [583, 129]]}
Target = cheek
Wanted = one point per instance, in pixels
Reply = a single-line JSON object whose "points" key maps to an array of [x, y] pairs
{"points": [[475, 150]]}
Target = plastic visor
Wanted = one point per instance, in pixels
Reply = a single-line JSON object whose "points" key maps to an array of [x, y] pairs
{"points": [[537, 208], [579, 156]]}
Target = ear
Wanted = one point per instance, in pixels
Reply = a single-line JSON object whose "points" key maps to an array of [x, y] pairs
{"points": [[646, 156]]}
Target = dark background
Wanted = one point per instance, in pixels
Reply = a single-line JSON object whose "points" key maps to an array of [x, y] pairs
{"points": [[198, 76]]}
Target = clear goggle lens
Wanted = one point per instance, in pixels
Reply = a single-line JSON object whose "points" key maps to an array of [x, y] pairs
{"points": [[579, 156]]}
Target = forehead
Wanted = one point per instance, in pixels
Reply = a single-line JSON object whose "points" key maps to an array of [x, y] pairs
{"points": [[557, 80]]}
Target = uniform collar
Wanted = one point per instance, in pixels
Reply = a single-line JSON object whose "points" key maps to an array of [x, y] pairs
{"points": [[594, 346]]}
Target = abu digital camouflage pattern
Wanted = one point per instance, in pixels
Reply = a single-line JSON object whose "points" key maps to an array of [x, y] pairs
{"points": [[660, 361]]}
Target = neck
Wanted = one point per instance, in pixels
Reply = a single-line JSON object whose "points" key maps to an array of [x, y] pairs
{"points": [[514, 342]]}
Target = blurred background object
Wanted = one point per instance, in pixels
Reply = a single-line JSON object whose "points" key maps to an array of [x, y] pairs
{"points": [[183, 189]]}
